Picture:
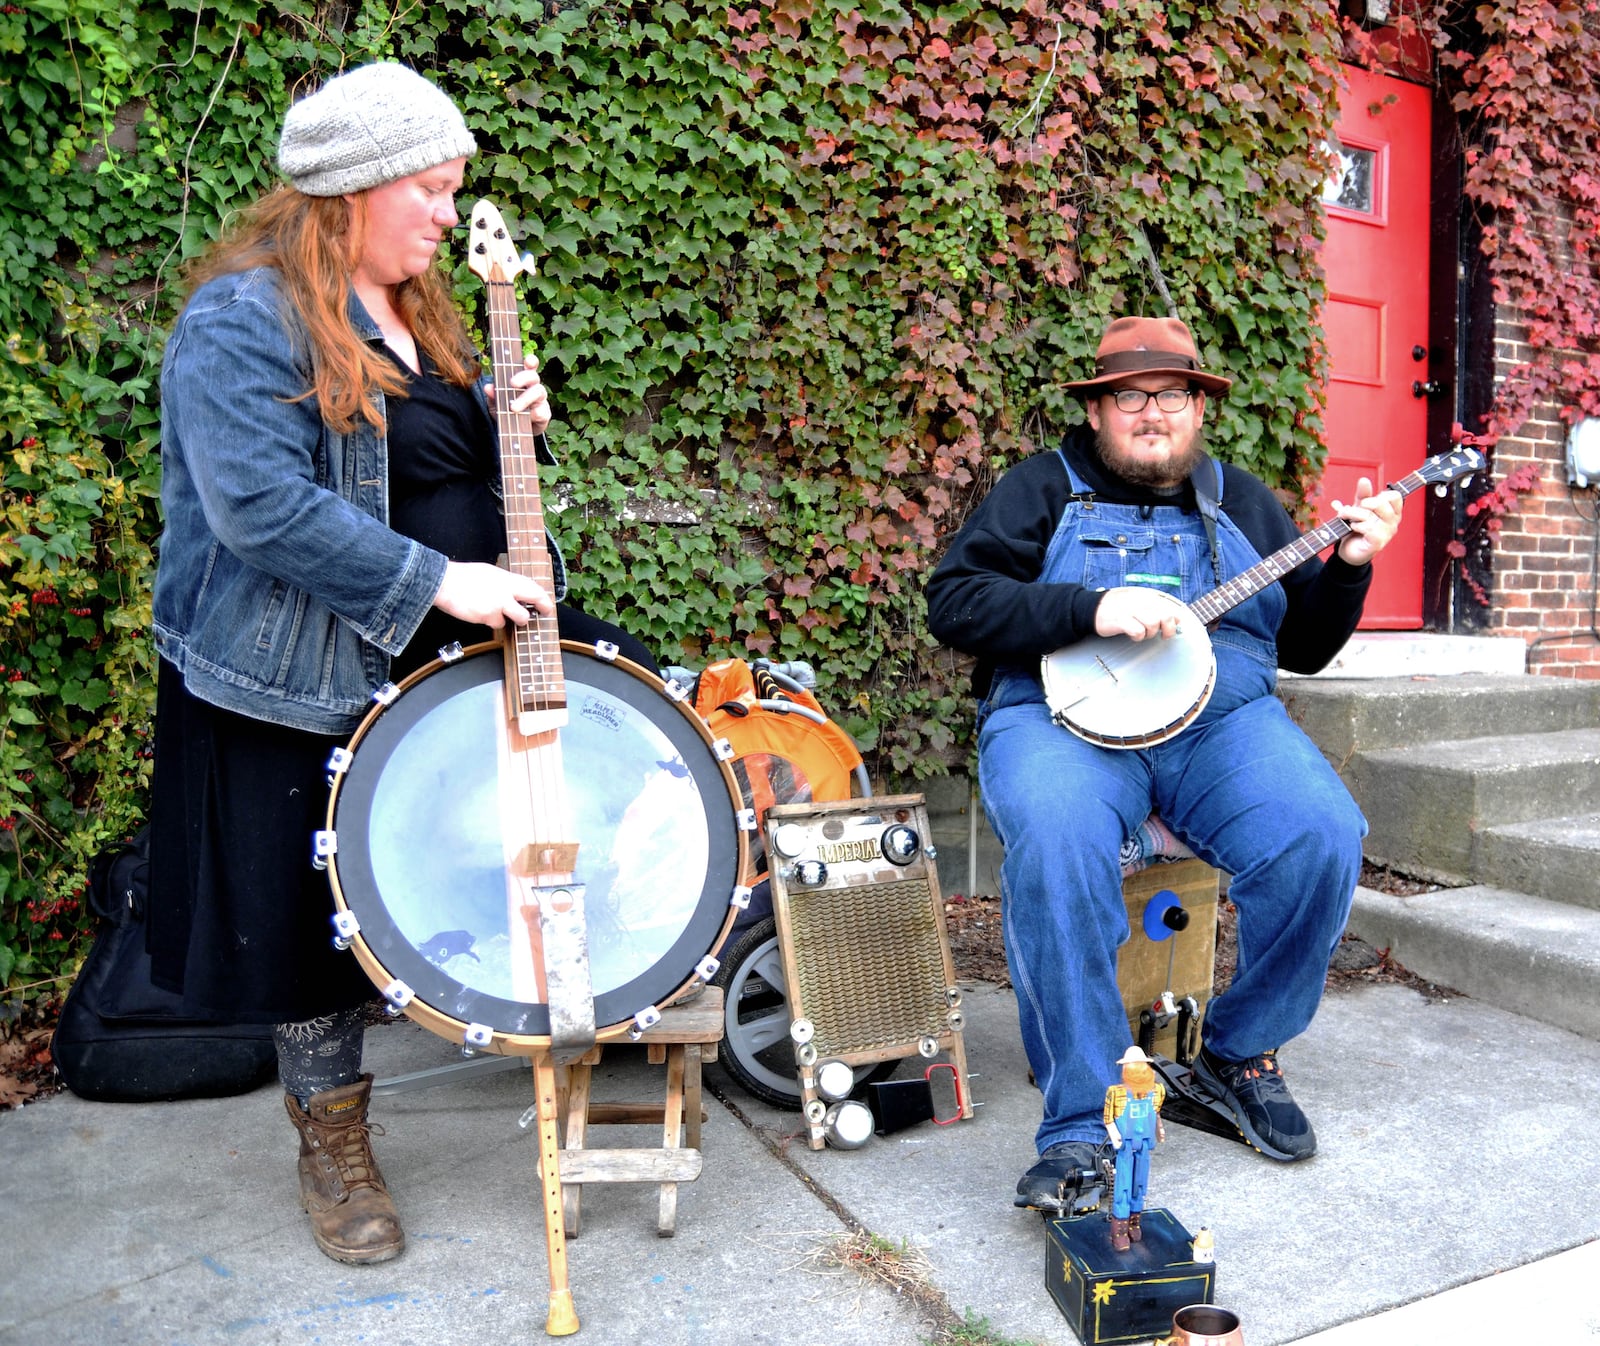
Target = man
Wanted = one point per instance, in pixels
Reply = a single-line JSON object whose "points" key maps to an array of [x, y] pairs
{"points": [[1090, 541]]}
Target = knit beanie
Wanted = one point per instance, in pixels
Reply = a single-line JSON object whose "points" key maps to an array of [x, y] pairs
{"points": [[367, 127]]}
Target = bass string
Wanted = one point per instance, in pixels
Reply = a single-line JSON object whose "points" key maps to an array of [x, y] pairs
{"points": [[539, 672], [540, 676]]}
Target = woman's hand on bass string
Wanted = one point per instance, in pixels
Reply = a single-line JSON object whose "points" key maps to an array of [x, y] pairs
{"points": [[532, 396], [477, 592]]}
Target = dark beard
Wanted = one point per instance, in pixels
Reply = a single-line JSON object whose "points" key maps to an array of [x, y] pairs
{"points": [[1163, 476]]}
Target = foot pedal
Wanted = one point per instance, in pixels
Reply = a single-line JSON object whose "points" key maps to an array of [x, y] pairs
{"points": [[1187, 1106]]}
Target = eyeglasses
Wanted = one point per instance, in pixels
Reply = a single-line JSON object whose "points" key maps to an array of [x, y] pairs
{"points": [[1131, 400]]}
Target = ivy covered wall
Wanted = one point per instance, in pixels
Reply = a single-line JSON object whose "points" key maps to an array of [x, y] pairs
{"points": [[810, 274]]}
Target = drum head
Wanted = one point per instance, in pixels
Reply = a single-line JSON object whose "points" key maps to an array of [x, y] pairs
{"points": [[420, 855]]}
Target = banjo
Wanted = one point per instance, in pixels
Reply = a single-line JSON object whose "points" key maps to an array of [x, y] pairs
{"points": [[1123, 693]]}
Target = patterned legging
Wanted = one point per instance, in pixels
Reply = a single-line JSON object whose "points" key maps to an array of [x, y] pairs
{"points": [[315, 1055]]}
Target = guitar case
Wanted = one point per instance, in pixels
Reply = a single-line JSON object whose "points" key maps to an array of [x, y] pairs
{"points": [[121, 1039]]}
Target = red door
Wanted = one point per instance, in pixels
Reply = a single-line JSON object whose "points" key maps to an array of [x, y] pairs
{"points": [[1376, 319]]}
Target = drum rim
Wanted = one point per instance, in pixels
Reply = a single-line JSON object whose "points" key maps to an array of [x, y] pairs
{"points": [[713, 915]]}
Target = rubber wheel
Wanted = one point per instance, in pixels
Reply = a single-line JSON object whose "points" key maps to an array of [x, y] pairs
{"points": [[756, 1050]]}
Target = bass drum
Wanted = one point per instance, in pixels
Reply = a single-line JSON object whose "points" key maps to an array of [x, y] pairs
{"points": [[417, 855]]}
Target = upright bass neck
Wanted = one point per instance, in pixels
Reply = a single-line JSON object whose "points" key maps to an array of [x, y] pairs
{"points": [[536, 690]]}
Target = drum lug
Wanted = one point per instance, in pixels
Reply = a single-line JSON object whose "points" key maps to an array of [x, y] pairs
{"points": [[676, 691], [449, 654], [740, 901], [707, 967], [746, 820], [338, 763], [723, 749], [398, 994], [386, 695], [345, 929], [324, 843], [644, 1021], [476, 1036], [607, 651]]}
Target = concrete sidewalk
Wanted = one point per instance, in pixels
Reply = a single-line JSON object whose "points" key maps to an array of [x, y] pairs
{"points": [[1453, 1199]]}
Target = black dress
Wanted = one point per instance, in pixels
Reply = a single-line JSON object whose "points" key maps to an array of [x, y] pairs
{"points": [[239, 917]]}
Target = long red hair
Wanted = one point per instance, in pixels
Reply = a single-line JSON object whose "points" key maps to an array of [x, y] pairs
{"points": [[314, 242]]}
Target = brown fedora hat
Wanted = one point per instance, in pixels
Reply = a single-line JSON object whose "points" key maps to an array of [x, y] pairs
{"points": [[1133, 346]]}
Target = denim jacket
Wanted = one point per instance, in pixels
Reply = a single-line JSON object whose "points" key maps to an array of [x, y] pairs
{"points": [[281, 591]]}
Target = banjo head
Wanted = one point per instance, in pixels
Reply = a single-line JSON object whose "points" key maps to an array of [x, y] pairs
{"points": [[417, 851], [1123, 693]]}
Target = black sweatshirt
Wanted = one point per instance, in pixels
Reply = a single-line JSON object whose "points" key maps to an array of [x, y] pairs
{"points": [[983, 598]]}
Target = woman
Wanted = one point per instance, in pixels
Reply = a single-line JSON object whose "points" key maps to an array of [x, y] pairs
{"points": [[329, 487]]}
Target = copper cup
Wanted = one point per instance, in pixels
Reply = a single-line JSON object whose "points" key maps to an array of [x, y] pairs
{"points": [[1204, 1325]]}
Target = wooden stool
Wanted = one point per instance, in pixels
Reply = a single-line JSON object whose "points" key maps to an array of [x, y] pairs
{"points": [[684, 1039], [1143, 965]]}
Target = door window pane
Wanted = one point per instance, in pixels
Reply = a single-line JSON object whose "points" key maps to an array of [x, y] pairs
{"points": [[1351, 184]]}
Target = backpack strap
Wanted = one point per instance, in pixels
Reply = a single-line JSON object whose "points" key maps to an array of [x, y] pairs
{"points": [[1207, 482]]}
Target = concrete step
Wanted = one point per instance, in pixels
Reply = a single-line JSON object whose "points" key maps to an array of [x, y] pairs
{"points": [[1556, 858], [1348, 715], [1518, 952], [1425, 802], [1391, 654]]}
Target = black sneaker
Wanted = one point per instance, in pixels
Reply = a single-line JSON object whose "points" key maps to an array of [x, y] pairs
{"points": [[1066, 1180], [1254, 1092]]}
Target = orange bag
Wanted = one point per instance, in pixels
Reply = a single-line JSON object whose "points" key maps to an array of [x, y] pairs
{"points": [[780, 757]]}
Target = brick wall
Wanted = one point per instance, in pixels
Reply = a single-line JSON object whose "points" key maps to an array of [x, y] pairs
{"points": [[1544, 558]]}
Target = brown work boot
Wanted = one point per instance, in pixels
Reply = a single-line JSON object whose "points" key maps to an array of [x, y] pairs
{"points": [[1119, 1235], [353, 1218]]}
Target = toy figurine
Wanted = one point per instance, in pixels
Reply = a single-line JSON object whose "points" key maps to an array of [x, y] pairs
{"points": [[1132, 1119]]}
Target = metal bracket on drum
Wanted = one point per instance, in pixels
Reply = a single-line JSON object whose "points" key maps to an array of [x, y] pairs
{"points": [[324, 843], [345, 929], [386, 695], [740, 901], [399, 995], [644, 1021], [604, 649], [339, 761], [568, 985]]}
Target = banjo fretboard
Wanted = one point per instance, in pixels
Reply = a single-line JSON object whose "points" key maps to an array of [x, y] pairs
{"points": [[1445, 468]]}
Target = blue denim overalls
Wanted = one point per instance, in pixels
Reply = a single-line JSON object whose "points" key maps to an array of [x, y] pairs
{"points": [[1243, 786], [1138, 1125]]}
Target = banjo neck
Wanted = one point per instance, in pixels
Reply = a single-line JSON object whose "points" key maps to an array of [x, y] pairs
{"points": [[535, 683], [1248, 583]]}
